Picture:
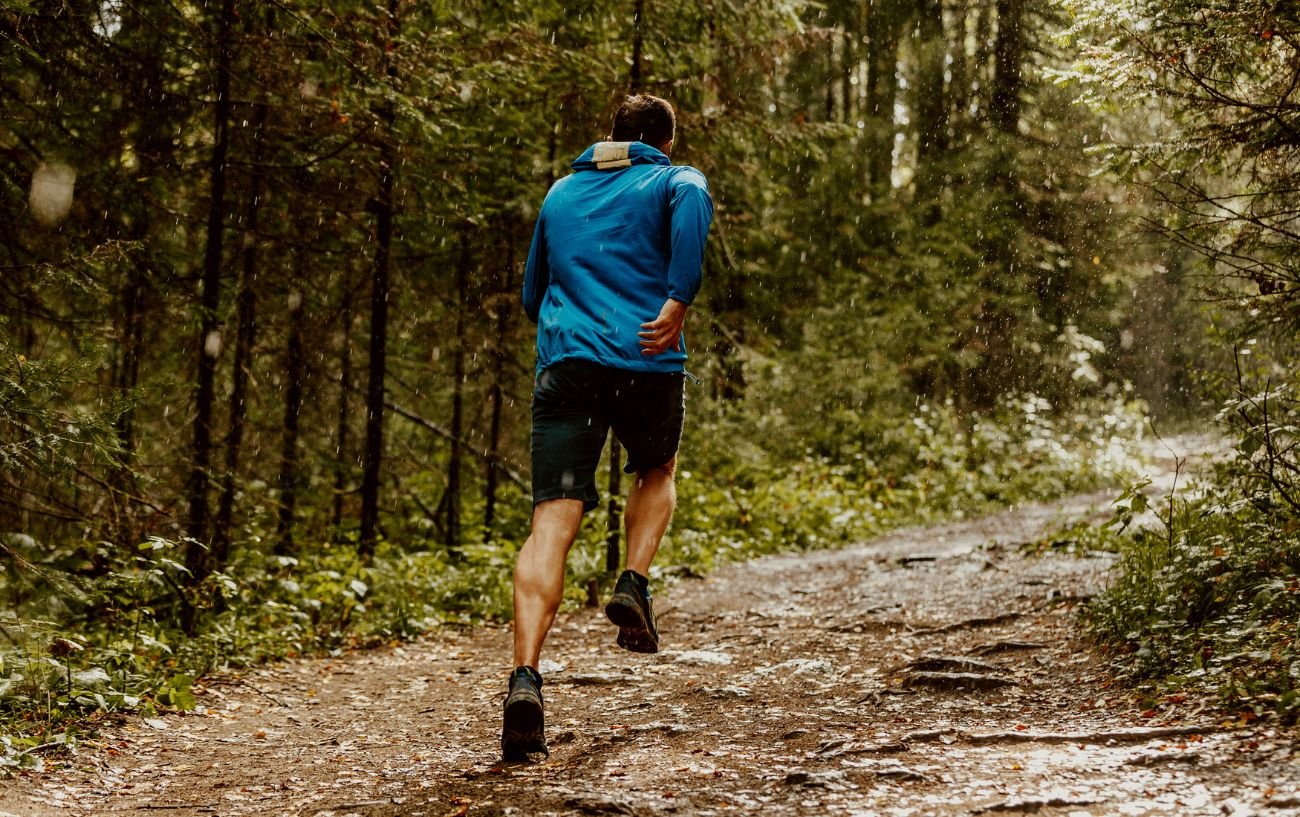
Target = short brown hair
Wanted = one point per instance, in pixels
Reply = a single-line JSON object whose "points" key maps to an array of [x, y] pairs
{"points": [[645, 118]]}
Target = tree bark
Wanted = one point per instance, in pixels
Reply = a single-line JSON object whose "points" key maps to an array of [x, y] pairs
{"points": [[883, 24], [379, 291], [502, 300], [341, 458], [1008, 52], [246, 336], [959, 87], [454, 464], [209, 346], [294, 366], [931, 108]]}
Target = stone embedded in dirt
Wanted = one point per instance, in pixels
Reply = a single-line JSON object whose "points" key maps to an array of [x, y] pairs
{"points": [[794, 733], [730, 691], [795, 667], [955, 681], [703, 658], [1158, 758], [951, 663], [592, 679], [661, 726]]}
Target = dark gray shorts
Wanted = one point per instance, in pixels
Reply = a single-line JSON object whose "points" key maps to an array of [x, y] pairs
{"points": [[575, 403]]}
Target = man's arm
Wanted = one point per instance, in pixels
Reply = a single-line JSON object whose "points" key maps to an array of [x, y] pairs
{"points": [[537, 273], [692, 213]]}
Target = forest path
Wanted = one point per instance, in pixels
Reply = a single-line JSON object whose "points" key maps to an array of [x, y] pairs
{"points": [[783, 688]]}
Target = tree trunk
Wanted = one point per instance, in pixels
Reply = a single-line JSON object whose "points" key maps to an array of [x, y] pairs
{"points": [[848, 66], [379, 291], [461, 307], [883, 24], [503, 298], [342, 469], [294, 366], [246, 335], [210, 299], [1007, 54], [959, 87], [931, 109]]}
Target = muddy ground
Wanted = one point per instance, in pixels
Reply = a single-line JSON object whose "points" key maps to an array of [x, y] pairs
{"points": [[929, 672]]}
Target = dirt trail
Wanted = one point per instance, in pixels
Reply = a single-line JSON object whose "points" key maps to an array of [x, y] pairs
{"points": [[929, 672]]}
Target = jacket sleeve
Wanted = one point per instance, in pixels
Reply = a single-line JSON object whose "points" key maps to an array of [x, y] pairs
{"points": [[691, 209], [537, 273]]}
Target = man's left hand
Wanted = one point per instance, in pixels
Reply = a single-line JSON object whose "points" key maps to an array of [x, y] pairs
{"points": [[664, 331]]}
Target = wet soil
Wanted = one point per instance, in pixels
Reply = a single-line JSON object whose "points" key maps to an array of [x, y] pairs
{"points": [[936, 671]]}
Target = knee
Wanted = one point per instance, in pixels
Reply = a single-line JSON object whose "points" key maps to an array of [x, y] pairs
{"points": [[668, 469]]}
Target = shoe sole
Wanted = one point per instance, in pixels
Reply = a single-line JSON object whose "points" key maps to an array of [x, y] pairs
{"points": [[633, 630], [521, 733]]}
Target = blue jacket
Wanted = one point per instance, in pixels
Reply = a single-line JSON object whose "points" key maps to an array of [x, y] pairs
{"points": [[613, 241]]}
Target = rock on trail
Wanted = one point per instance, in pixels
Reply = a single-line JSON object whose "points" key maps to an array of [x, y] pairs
{"points": [[857, 682]]}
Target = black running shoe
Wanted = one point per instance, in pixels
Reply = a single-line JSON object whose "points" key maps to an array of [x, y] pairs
{"points": [[630, 609], [523, 729]]}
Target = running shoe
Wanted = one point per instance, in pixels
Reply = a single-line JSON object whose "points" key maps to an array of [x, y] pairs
{"points": [[630, 608], [523, 729]]}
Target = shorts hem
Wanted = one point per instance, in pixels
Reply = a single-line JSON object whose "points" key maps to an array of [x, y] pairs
{"points": [[588, 504]]}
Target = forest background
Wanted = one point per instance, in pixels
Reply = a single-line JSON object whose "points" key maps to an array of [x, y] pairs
{"points": [[264, 378]]}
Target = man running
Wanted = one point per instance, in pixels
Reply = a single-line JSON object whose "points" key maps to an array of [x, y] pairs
{"points": [[615, 262]]}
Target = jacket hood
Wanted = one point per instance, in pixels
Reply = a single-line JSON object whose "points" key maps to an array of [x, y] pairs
{"points": [[613, 155]]}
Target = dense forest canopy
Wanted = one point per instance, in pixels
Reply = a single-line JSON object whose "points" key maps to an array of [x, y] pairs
{"points": [[260, 270]]}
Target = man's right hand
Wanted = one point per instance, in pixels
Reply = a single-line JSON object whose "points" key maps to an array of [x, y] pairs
{"points": [[664, 331]]}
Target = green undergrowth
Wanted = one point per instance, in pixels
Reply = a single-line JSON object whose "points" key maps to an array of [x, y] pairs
{"points": [[1209, 599], [76, 645]]}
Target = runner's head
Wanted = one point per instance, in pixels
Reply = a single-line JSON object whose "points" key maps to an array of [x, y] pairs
{"points": [[645, 118]]}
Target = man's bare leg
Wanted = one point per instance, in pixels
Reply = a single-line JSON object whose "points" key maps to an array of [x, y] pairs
{"points": [[539, 575], [650, 506]]}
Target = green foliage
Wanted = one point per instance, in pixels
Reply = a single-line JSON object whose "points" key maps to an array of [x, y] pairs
{"points": [[1211, 598], [1218, 156]]}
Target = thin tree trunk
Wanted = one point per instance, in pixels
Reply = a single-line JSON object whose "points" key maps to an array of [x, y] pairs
{"points": [[245, 337], [294, 366], [1008, 52], [959, 87], [883, 24], [341, 458], [210, 299], [931, 108], [502, 300], [848, 66], [981, 71], [379, 292], [455, 461], [830, 80], [131, 333]]}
